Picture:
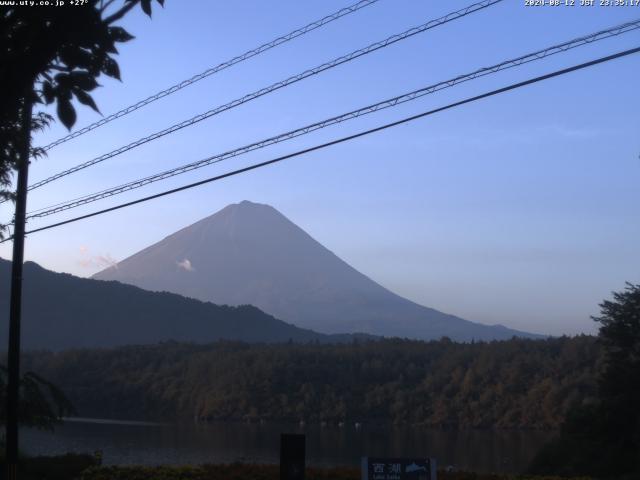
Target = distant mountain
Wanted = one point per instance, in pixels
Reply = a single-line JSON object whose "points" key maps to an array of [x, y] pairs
{"points": [[250, 253], [62, 311]]}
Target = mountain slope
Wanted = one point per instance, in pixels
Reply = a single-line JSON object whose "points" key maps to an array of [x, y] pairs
{"points": [[62, 311], [249, 253]]}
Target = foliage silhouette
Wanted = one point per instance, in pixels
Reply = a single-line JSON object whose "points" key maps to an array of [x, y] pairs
{"points": [[50, 55], [601, 436], [42, 404]]}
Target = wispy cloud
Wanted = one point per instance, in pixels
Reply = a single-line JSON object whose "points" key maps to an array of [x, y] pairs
{"points": [[517, 135], [572, 132], [87, 260], [105, 261], [186, 265]]}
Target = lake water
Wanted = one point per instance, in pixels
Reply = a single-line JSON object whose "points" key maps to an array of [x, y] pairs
{"points": [[129, 443]]}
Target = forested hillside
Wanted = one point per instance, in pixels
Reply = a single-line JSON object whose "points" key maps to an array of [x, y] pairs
{"points": [[61, 311], [510, 384]]}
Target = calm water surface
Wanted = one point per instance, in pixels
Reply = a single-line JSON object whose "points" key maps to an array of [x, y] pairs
{"points": [[127, 443]]}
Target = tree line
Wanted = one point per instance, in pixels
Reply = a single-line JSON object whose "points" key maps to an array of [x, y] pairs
{"points": [[508, 384]]}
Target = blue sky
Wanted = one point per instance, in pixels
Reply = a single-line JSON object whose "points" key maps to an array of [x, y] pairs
{"points": [[521, 209]]}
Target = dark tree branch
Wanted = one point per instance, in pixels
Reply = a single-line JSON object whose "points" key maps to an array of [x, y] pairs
{"points": [[121, 13]]}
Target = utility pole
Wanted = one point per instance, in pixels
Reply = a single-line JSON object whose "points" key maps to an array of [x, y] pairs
{"points": [[13, 382]]}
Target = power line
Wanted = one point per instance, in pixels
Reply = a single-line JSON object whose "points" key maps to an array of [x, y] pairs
{"points": [[218, 68], [276, 86], [514, 86], [530, 57]]}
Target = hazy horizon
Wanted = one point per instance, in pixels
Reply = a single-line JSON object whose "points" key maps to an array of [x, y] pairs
{"points": [[519, 210], [90, 264]]}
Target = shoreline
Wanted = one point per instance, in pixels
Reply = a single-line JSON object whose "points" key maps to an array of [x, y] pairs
{"points": [[356, 425]]}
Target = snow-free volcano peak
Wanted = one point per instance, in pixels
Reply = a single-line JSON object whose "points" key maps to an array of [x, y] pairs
{"points": [[249, 253]]}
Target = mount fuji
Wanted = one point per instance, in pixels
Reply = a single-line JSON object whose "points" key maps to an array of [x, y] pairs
{"points": [[249, 253]]}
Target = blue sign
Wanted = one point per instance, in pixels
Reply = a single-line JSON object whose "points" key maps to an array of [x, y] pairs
{"points": [[374, 468]]}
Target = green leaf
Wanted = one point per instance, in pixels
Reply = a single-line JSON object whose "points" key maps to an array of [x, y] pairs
{"points": [[146, 6], [63, 80], [86, 99], [119, 34], [48, 92], [110, 67], [66, 112], [74, 57], [110, 47], [84, 80]]}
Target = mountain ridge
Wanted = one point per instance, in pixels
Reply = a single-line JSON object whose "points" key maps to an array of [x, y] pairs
{"points": [[62, 311], [250, 253]]}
